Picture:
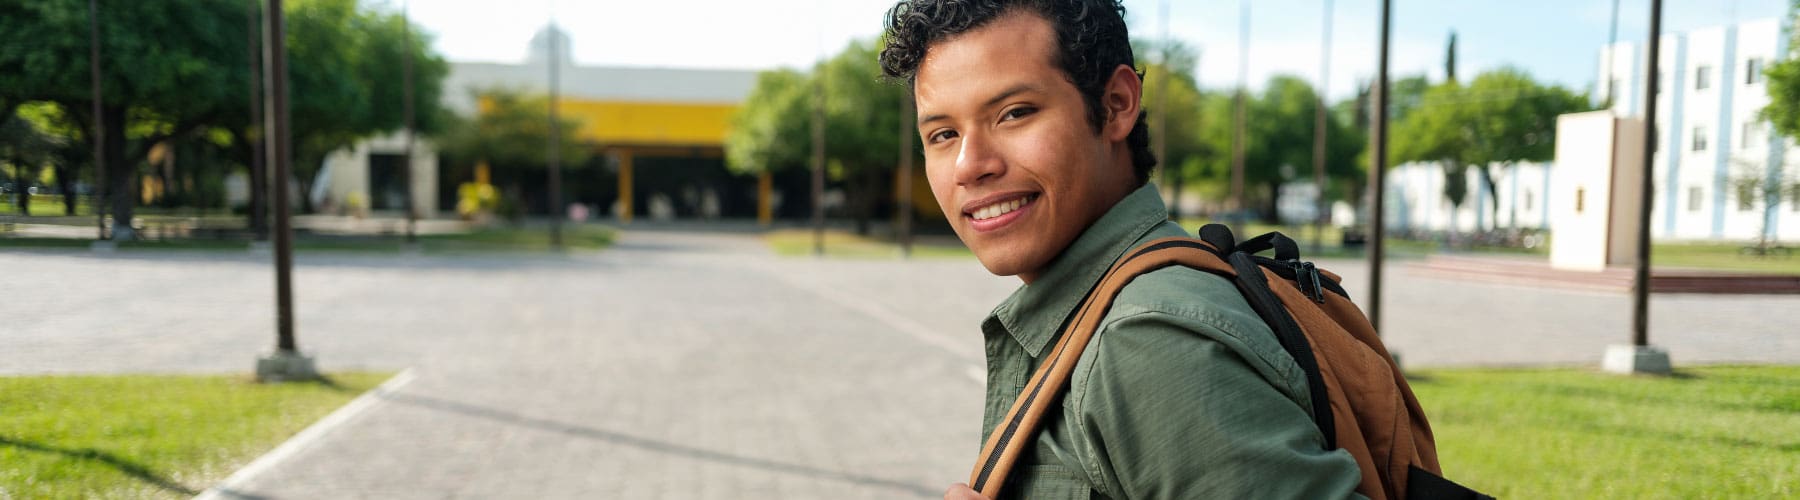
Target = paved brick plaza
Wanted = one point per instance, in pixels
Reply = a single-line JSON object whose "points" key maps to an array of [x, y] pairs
{"points": [[679, 365]]}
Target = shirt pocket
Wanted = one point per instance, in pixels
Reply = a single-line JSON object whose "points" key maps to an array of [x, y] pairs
{"points": [[1046, 482]]}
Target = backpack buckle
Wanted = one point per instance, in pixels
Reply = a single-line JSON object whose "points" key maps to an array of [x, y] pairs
{"points": [[1304, 272]]}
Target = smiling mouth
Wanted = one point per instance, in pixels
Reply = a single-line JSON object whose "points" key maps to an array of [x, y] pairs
{"points": [[1000, 208]]}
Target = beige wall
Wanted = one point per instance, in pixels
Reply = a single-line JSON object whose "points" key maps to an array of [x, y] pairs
{"points": [[1627, 191]]}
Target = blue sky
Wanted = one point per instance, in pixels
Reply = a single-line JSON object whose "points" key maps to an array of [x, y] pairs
{"points": [[1557, 40]]}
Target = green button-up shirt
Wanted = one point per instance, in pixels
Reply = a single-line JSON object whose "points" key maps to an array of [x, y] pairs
{"points": [[1183, 393]]}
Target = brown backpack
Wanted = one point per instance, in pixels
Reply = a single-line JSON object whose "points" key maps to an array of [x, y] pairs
{"points": [[1360, 400]]}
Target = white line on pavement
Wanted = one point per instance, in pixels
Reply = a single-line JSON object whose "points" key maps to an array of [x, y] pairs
{"points": [[232, 486]]}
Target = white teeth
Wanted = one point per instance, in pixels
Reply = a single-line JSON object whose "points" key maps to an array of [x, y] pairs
{"points": [[998, 209]]}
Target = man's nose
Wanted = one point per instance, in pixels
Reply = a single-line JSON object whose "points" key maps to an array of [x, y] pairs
{"points": [[977, 161]]}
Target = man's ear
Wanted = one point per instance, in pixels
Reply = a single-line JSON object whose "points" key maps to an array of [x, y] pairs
{"points": [[1122, 99]]}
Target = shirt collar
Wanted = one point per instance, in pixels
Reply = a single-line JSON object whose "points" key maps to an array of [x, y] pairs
{"points": [[1035, 313]]}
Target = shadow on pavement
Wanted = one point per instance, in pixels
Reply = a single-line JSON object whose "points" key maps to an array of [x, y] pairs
{"points": [[127, 467], [658, 446]]}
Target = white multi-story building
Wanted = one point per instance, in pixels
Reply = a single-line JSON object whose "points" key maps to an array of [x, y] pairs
{"points": [[1710, 134], [1416, 201]]}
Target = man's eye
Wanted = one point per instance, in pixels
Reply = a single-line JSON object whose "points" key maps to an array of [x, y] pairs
{"points": [[941, 136], [1017, 113]]}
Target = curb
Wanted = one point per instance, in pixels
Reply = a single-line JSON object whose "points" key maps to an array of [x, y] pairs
{"points": [[232, 486]]}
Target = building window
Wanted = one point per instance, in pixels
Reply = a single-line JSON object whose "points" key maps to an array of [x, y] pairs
{"points": [[1694, 198], [1746, 196], [1794, 197], [1753, 71], [1528, 199], [1752, 134], [1580, 200], [1703, 78], [1699, 139]]}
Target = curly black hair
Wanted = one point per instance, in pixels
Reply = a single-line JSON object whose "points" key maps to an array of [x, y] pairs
{"points": [[1090, 35]]}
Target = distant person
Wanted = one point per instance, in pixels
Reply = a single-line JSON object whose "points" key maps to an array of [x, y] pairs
{"points": [[1037, 151]]}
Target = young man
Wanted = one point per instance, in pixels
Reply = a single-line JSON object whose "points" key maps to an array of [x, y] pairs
{"points": [[1036, 149]]}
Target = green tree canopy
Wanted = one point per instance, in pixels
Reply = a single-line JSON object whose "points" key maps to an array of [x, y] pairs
{"points": [[511, 131], [167, 70], [1181, 159], [1783, 110], [1501, 117], [171, 70], [773, 129], [345, 70], [769, 132], [1278, 140]]}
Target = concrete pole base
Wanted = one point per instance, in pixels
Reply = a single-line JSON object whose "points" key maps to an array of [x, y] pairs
{"points": [[285, 366], [1634, 359]]}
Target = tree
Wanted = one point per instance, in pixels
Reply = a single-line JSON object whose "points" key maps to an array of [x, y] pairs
{"points": [[344, 71], [1278, 140], [174, 71], [24, 150], [862, 110], [770, 132], [1756, 182], [1183, 148], [511, 133], [1783, 110], [1500, 118], [167, 69]]}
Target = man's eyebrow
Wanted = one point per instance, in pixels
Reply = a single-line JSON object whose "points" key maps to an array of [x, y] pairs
{"points": [[1003, 95], [1011, 91]]}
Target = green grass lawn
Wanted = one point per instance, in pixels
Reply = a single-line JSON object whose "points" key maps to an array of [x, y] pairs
{"points": [[520, 238], [1712, 432], [136, 436], [42, 205], [843, 244], [1723, 257]]}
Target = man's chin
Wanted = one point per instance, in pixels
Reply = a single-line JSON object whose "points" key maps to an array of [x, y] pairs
{"points": [[1002, 262]]}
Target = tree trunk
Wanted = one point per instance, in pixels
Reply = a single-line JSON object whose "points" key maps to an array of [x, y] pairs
{"points": [[1271, 207], [259, 183], [121, 176], [863, 193], [1175, 199], [22, 185], [65, 183], [305, 183], [1487, 177]]}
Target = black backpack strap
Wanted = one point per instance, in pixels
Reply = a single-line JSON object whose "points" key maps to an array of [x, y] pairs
{"points": [[1219, 237], [1285, 247], [1421, 484], [1255, 288]]}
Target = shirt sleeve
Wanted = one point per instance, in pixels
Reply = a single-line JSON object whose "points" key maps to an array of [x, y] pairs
{"points": [[1174, 407]]}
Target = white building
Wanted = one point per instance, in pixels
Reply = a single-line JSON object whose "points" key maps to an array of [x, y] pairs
{"points": [[1710, 92], [1416, 201]]}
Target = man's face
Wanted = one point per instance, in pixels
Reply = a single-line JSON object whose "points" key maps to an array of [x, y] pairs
{"points": [[1009, 151]]}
